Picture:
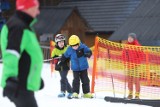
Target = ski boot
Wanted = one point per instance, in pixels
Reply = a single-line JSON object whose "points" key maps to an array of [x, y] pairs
{"points": [[88, 95], [62, 94], [69, 96], [137, 95], [130, 95], [75, 95]]}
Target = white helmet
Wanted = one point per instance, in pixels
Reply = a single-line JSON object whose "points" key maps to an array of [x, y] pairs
{"points": [[59, 37]]}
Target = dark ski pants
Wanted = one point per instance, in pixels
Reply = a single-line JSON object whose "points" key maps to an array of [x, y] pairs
{"points": [[65, 86], [83, 76], [21, 98]]}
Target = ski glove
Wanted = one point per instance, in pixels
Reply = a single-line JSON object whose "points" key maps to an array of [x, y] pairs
{"points": [[88, 54], [42, 84], [80, 53], [56, 59], [11, 87]]}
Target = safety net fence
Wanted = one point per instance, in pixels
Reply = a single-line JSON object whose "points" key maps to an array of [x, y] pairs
{"points": [[116, 67]]}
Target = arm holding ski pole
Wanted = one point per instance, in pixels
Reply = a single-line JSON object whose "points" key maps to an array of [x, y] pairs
{"points": [[55, 58]]}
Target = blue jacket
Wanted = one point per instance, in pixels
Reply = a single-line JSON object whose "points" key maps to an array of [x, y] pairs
{"points": [[77, 57]]}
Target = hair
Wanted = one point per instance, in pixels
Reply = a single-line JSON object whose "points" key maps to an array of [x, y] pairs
{"points": [[133, 35]]}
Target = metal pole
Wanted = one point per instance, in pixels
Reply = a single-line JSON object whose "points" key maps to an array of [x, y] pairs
{"points": [[125, 82], [125, 73], [46, 60], [111, 74]]}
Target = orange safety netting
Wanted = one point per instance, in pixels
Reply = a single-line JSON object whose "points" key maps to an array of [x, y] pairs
{"points": [[52, 46], [119, 67]]}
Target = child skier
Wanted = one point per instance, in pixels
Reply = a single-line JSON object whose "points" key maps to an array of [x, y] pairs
{"points": [[133, 57], [78, 53], [63, 69]]}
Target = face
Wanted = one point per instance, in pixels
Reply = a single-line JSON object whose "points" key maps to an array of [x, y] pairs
{"points": [[130, 39], [75, 47], [34, 11], [61, 44]]}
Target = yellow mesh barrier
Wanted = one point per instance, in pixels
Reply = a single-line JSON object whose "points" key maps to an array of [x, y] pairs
{"points": [[120, 67]]}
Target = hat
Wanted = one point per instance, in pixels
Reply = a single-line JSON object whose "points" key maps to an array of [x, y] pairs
{"points": [[25, 4], [133, 35]]}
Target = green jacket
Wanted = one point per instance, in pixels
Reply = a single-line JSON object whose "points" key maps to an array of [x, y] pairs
{"points": [[21, 53], [57, 52]]}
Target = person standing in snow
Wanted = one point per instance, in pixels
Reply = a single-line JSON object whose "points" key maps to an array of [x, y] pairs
{"points": [[78, 53], [133, 58], [63, 69], [22, 55]]}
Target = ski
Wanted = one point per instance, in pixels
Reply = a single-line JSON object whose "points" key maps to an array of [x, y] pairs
{"points": [[149, 102]]}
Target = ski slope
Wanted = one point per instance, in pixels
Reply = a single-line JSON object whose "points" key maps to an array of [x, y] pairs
{"points": [[48, 96]]}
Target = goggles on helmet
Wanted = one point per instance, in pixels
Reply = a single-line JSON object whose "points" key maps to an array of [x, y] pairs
{"points": [[59, 37]]}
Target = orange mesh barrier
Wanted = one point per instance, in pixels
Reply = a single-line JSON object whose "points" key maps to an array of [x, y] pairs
{"points": [[52, 45], [120, 67]]}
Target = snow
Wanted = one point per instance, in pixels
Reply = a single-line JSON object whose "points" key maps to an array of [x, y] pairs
{"points": [[48, 96]]}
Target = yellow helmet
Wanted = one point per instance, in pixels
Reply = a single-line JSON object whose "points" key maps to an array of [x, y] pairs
{"points": [[73, 40]]}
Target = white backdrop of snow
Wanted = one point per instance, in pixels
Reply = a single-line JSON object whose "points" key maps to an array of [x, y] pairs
{"points": [[48, 96]]}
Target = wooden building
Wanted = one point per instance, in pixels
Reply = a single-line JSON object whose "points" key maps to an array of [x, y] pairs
{"points": [[89, 19], [104, 17], [54, 20]]}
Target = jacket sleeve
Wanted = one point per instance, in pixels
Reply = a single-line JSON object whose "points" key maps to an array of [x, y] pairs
{"points": [[65, 56], [53, 53], [55, 56], [87, 51], [14, 39], [140, 53], [124, 55], [67, 53], [11, 54], [13, 50]]}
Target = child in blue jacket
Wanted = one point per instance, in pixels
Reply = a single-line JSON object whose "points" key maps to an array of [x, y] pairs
{"points": [[78, 53]]}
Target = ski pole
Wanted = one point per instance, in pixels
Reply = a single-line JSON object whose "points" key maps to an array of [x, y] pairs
{"points": [[125, 82], [125, 73], [113, 85], [111, 74], [46, 60]]}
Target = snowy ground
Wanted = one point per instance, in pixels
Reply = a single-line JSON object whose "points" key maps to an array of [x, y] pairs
{"points": [[48, 96]]}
